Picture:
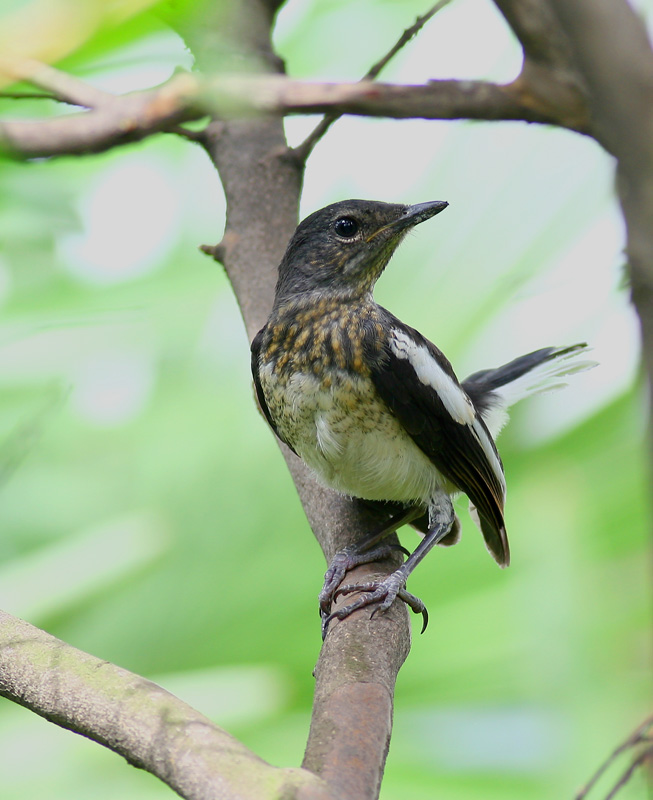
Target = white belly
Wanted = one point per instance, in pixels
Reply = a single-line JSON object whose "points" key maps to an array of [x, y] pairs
{"points": [[372, 463], [351, 440]]}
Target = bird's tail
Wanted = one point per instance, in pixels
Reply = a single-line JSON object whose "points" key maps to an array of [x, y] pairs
{"points": [[493, 391]]}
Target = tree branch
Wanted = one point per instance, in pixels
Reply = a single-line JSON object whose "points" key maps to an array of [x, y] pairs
{"points": [[187, 97], [549, 89], [359, 661], [139, 720], [612, 51], [111, 122], [360, 658]]}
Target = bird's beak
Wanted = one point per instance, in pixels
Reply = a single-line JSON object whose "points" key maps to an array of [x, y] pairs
{"points": [[422, 211], [413, 216]]}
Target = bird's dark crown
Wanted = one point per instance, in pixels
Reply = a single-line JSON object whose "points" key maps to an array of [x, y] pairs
{"points": [[344, 247]]}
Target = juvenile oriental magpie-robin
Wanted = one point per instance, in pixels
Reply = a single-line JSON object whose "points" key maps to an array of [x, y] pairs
{"points": [[373, 407]]}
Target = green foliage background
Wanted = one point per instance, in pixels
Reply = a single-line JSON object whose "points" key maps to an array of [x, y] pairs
{"points": [[167, 537]]}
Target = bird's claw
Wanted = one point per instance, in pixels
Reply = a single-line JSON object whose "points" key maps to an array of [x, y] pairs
{"points": [[384, 592], [344, 561]]}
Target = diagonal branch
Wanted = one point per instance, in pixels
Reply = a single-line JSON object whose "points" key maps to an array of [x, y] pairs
{"points": [[139, 720], [410, 33]]}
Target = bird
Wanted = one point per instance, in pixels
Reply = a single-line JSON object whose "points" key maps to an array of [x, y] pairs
{"points": [[374, 408]]}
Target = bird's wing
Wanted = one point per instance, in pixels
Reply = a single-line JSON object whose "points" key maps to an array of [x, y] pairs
{"points": [[418, 384], [256, 349]]}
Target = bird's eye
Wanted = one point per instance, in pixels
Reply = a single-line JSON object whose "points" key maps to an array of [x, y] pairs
{"points": [[346, 227]]}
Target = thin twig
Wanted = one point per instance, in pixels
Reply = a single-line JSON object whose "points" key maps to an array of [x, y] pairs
{"points": [[187, 133], [303, 151], [403, 40], [628, 774], [64, 87], [27, 96], [639, 735]]}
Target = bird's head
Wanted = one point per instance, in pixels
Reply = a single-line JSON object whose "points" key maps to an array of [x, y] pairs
{"points": [[345, 247]]}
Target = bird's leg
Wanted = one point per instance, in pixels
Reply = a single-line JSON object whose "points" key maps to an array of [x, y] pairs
{"points": [[384, 592], [363, 552]]}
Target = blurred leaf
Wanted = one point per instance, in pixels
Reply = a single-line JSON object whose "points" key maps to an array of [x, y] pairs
{"points": [[81, 566], [50, 30]]}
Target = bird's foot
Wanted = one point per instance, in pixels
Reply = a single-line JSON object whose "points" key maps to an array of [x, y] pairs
{"points": [[384, 592], [346, 560]]}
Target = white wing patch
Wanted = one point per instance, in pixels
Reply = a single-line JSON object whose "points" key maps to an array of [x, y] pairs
{"points": [[453, 397], [430, 373]]}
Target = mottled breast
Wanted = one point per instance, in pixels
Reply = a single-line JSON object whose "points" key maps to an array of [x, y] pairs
{"points": [[315, 377]]}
